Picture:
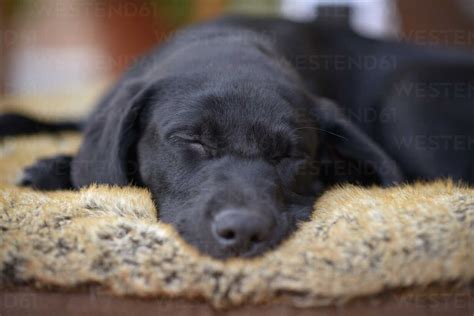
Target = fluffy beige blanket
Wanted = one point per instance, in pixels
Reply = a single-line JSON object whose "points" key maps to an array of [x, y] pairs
{"points": [[359, 241]]}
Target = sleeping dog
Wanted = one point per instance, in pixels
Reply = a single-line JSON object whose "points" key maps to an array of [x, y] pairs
{"points": [[236, 125]]}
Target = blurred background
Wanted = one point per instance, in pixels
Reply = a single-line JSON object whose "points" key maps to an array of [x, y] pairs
{"points": [[59, 45]]}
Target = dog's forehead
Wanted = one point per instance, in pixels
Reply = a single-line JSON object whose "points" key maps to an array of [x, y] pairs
{"points": [[237, 112]]}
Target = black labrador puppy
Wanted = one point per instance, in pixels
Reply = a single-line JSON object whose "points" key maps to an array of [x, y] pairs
{"points": [[237, 124]]}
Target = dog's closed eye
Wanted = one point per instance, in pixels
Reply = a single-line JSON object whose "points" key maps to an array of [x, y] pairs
{"points": [[278, 151], [194, 144], [277, 158]]}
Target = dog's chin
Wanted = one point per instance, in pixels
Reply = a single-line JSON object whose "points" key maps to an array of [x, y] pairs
{"points": [[221, 253]]}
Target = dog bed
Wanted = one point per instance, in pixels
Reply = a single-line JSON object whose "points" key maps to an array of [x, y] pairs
{"points": [[359, 242]]}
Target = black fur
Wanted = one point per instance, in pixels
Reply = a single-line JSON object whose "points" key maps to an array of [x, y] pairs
{"points": [[49, 174], [263, 114], [14, 124]]}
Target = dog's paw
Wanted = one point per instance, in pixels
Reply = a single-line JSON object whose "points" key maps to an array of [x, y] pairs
{"points": [[48, 174]]}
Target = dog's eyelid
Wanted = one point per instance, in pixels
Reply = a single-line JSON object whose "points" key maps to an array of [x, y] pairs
{"points": [[192, 139], [277, 157], [176, 137], [193, 142], [291, 153]]}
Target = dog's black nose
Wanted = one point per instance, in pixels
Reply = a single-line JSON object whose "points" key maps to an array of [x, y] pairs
{"points": [[240, 230]]}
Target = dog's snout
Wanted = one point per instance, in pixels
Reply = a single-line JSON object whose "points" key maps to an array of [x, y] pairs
{"points": [[241, 230]]}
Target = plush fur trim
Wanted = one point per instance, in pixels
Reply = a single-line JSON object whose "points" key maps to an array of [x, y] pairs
{"points": [[360, 241]]}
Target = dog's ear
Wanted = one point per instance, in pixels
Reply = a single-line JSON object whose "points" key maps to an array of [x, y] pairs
{"points": [[347, 153], [110, 134]]}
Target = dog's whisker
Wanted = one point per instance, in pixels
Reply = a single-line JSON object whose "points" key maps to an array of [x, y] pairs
{"points": [[323, 130]]}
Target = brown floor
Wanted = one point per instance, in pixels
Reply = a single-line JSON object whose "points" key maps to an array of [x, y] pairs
{"points": [[26, 302]]}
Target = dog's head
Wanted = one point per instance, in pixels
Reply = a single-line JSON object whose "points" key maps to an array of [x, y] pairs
{"points": [[232, 163]]}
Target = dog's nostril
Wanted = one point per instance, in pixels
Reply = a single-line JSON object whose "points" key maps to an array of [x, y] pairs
{"points": [[227, 234], [255, 238], [241, 229]]}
